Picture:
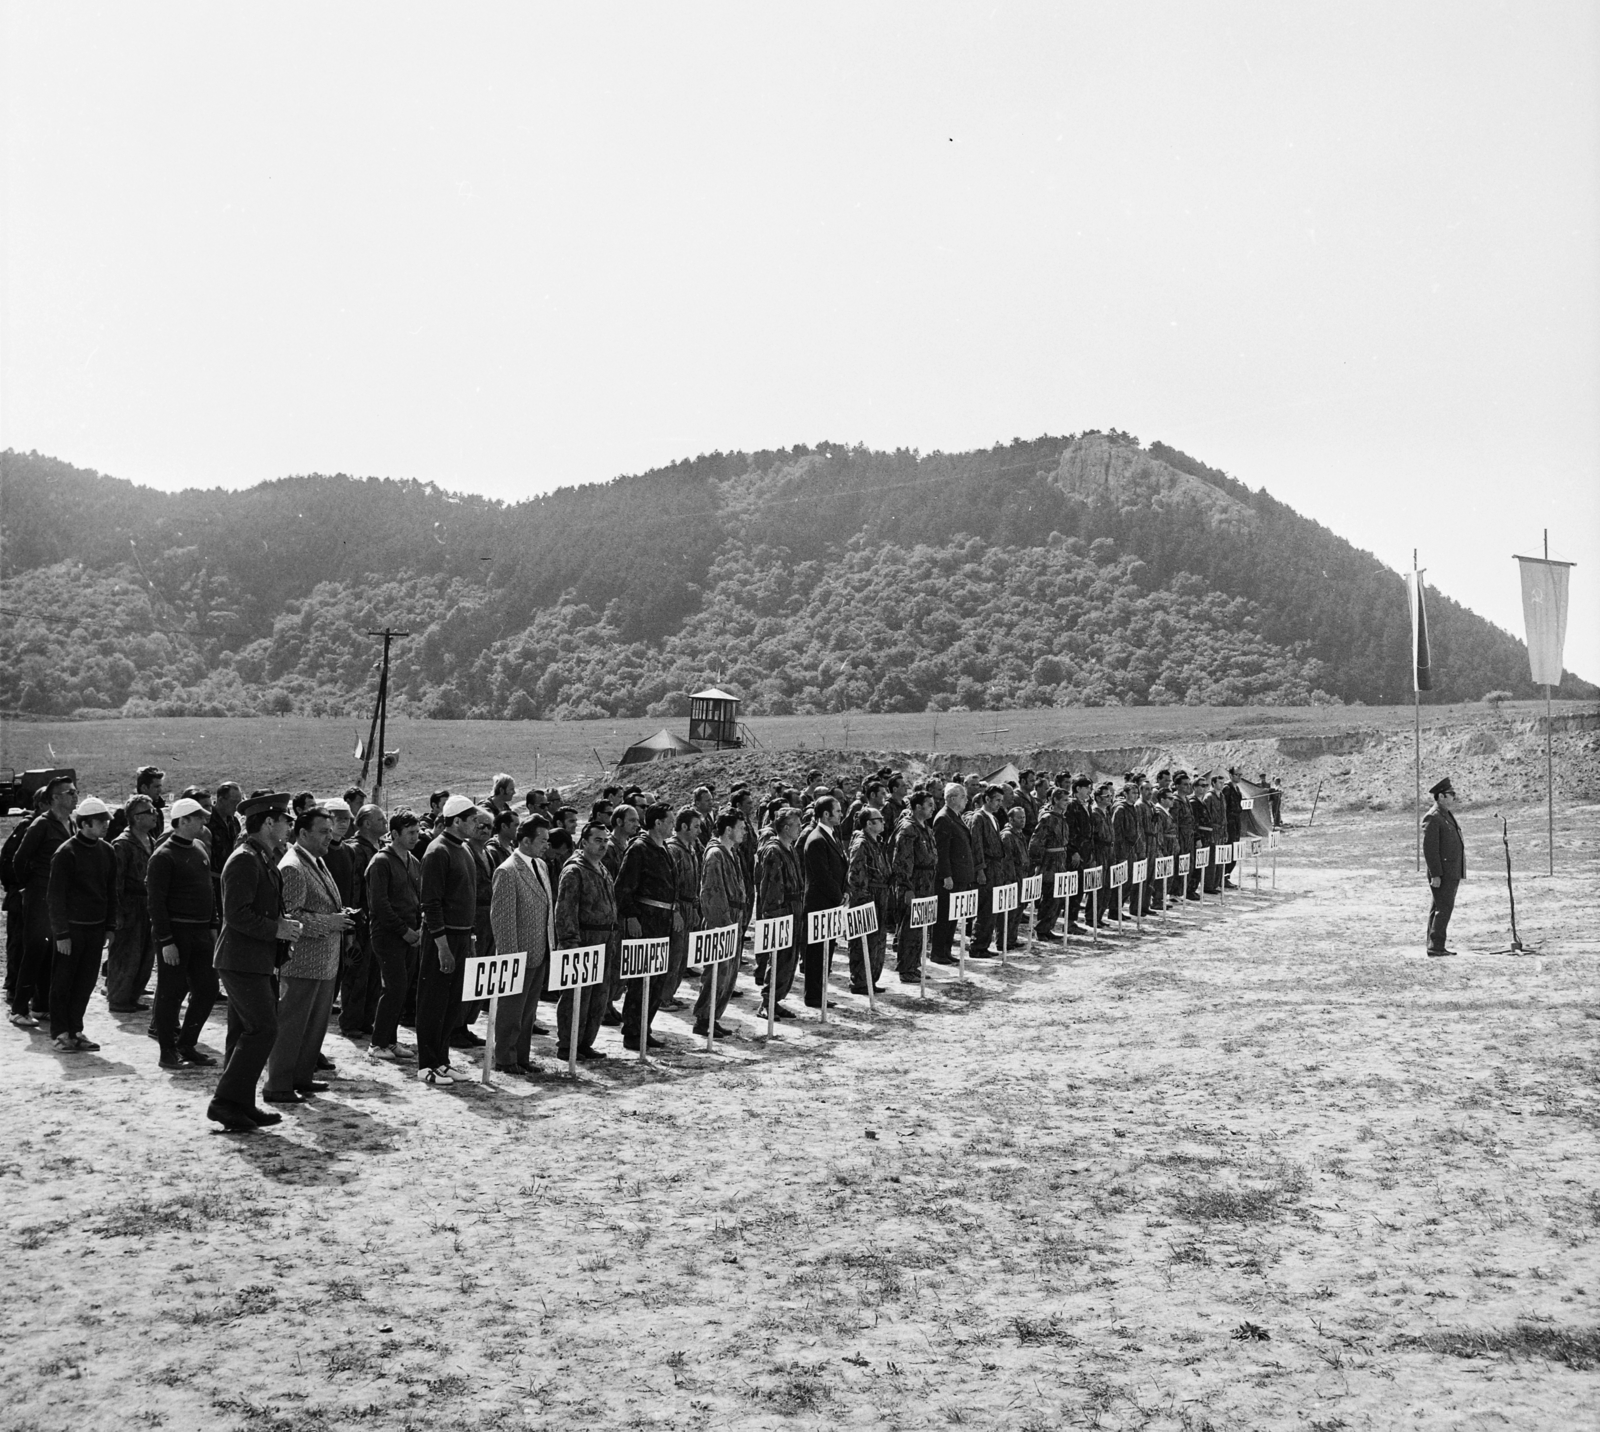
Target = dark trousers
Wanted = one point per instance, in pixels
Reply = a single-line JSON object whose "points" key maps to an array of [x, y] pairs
{"points": [[780, 966], [130, 959], [252, 1031], [725, 975], [439, 998], [16, 935], [360, 984], [395, 973], [653, 925], [876, 946], [984, 927], [1213, 873], [1050, 908], [677, 963], [908, 948], [515, 1016], [812, 962], [38, 955], [192, 976], [587, 1004], [72, 979], [944, 928], [1444, 902]]}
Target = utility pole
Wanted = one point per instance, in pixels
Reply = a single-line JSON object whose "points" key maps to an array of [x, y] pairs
{"points": [[380, 714]]}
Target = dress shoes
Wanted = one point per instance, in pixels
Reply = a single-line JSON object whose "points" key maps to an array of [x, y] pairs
{"points": [[781, 1013], [191, 1055], [127, 1008], [941, 959], [611, 1016], [983, 954], [235, 1118], [327, 1065], [590, 1052], [539, 1028], [1440, 954], [673, 1003], [462, 1039], [264, 1117], [633, 1044], [1046, 937], [282, 1096], [316, 1086], [171, 1059]]}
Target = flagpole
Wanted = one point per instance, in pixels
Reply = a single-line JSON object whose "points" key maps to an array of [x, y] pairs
{"points": [[1416, 703], [1549, 764]]}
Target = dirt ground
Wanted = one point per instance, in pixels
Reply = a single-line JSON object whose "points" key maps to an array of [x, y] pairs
{"points": [[1264, 1167]]}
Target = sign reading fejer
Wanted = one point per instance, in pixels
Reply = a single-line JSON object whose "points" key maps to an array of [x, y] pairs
{"points": [[860, 920], [642, 959], [1141, 871], [1119, 874], [1067, 883], [1032, 889], [963, 904], [774, 935], [1094, 878], [712, 946], [582, 965], [1005, 898], [825, 925], [924, 911], [489, 975]]}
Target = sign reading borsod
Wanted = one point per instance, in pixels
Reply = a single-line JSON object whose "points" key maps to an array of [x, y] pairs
{"points": [[713, 946], [487, 976]]}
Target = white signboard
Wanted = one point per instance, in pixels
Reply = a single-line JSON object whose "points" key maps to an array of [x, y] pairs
{"points": [[1254, 844], [1119, 874], [1032, 889], [1141, 871], [582, 965], [825, 925], [644, 958], [1202, 857], [1067, 883], [1224, 854], [710, 946], [1163, 867], [963, 904], [1094, 878], [1005, 898], [489, 975], [924, 911], [774, 935], [860, 920], [1183, 864], [1272, 840]]}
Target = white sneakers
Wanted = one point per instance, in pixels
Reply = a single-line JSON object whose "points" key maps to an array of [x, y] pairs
{"points": [[441, 1075]]}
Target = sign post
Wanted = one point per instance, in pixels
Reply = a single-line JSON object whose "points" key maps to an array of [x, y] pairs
{"points": [[963, 907], [640, 960], [924, 911], [771, 938], [823, 927], [1004, 898], [1064, 888], [1140, 876], [1164, 877], [489, 977], [1224, 855], [1255, 860], [711, 947], [576, 969], [1272, 845], [1093, 879], [1202, 862], [1032, 893], [859, 922], [1119, 878], [1185, 862]]}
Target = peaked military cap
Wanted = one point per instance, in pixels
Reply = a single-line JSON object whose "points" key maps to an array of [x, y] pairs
{"points": [[275, 801], [1442, 788]]}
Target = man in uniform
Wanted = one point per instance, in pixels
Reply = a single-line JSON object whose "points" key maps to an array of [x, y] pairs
{"points": [[1182, 813], [82, 896], [1233, 806], [1446, 858], [1050, 853], [646, 894], [1127, 840], [586, 914], [867, 876], [688, 856], [47, 833], [826, 872], [183, 924], [449, 914], [781, 890], [1082, 848], [1014, 841], [254, 931], [914, 867], [1217, 817], [1105, 843], [394, 926], [131, 958]]}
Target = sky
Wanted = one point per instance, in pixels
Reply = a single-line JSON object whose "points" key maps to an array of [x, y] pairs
{"points": [[1346, 252]]}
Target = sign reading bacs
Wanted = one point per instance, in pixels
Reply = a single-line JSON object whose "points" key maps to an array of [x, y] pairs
{"points": [[774, 935]]}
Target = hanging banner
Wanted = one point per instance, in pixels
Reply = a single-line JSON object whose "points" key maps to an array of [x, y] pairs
{"points": [[1544, 615], [1421, 657]]}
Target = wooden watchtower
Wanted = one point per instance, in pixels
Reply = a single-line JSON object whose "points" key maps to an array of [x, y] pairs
{"points": [[714, 719]]}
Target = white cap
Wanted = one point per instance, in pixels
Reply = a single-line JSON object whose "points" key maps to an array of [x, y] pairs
{"points": [[457, 805], [334, 805], [188, 805], [90, 806]]}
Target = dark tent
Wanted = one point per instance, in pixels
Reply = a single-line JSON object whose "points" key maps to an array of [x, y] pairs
{"points": [[1255, 812], [660, 747]]}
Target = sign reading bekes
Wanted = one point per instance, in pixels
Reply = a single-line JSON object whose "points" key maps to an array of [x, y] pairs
{"points": [[825, 925], [487, 976], [860, 920], [963, 904], [1094, 878], [924, 911], [774, 935], [582, 965], [713, 946], [1067, 883], [1119, 874], [1141, 871], [1032, 889], [642, 959], [1005, 898]]}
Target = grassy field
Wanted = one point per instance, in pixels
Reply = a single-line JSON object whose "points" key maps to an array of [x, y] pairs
{"points": [[295, 753], [1269, 1168]]}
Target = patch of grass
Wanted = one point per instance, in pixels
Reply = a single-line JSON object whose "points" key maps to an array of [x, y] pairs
{"points": [[1261, 1198], [1043, 1330], [184, 1213], [346, 1290], [799, 1389], [1577, 1347]]}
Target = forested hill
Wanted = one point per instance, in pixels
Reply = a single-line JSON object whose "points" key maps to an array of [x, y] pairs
{"points": [[1071, 571]]}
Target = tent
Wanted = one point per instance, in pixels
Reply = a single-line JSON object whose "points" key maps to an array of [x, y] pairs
{"points": [[1008, 774], [660, 747], [1255, 808]]}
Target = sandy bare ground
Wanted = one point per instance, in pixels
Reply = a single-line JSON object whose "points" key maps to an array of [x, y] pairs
{"points": [[1062, 1195]]}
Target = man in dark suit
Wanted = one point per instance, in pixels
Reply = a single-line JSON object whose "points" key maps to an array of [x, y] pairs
{"points": [[825, 869], [989, 855], [1233, 803], [1446, 858], [957, 868]]}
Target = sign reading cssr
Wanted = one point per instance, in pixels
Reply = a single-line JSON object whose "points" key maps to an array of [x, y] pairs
{"points": [[487, 976], [582, 965]]}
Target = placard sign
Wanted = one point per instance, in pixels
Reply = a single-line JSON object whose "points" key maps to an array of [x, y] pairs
{"points": [[860, 920], [1255, 845], [1247, 803], [489, 976], [1163, 867], [1202, 857], [825, 925], [1005, 898], [713, 946], [1184, 864], [573, 969], [1067, 883], [1141, 871], [1224, 854], [642, 959], [774, 935], [1272, 840], [963, 904], [1119, 874], [1032, 889], [924, 911], [1094, 878]]}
